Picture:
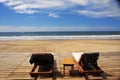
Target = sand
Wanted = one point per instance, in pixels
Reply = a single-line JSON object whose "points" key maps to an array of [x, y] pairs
{"points": [[16, 64], [60, 46]]}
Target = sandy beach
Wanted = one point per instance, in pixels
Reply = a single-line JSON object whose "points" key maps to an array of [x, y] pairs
{"points": [[60, 46], [14, 57]]}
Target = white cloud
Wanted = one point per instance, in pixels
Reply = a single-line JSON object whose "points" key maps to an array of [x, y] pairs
{"points": [[40, 4], [33, 6], [27, 11], [79, 2], [99, 13], [13, 3], [53, 15], [3, 0], [92, 8], [98, 8]]}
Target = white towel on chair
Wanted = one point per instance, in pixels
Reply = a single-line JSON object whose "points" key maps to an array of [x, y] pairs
{"points": [[77, 55]]}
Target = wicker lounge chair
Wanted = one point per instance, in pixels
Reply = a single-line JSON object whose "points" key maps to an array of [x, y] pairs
{"points": [[44, 61]]}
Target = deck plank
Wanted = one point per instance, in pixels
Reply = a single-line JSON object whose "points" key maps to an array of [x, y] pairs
{"points": [[15, 66]]}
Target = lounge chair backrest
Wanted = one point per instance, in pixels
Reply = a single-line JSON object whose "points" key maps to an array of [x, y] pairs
{"points": [[90, 60], [42, 59], [90, 57]]}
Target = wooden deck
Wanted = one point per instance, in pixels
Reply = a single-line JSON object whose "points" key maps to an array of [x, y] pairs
{"points": [[15, 66]]}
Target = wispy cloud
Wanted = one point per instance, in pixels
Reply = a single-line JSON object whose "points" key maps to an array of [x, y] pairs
{"points": [[79, 28], [91, 8], [53, 15], [101, 8], [33, 6]]}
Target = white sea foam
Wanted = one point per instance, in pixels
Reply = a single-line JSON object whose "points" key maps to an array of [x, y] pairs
{"points": [[7, 38]]}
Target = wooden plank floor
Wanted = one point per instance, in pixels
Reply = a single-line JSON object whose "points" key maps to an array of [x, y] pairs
{"points": [[15, 66]]}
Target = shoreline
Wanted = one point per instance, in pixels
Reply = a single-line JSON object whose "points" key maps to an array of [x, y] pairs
{"points": [[60, 39], [101, 37], [36, 46]]}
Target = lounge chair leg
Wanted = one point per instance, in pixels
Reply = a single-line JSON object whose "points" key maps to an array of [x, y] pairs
{"points": [[72, 69], [63, 70]]}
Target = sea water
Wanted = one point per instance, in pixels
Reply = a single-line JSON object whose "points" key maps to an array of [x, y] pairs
{"points": [[63, 35]]}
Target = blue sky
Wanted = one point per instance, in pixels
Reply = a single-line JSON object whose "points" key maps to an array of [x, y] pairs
{"points": [[59, 15]]}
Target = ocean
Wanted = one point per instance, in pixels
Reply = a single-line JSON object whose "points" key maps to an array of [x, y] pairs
{"points": [[65, 35]]}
